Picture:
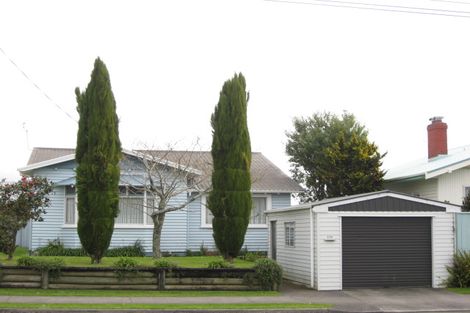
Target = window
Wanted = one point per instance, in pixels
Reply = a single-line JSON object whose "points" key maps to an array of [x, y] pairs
{"points": [[257, 212], [466, 191], [257, 217], [70, 201], [289, 228], [131, 205]]}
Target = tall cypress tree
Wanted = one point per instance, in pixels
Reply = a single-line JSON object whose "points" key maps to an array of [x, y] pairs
{"points": [[97, 154], [230, 199]]}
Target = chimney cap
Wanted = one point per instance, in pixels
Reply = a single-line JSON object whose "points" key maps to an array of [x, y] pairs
{"points": [[436, 118]]}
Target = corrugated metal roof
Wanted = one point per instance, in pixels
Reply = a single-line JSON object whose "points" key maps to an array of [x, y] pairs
{"points": [[424, 168], [266, 177]]}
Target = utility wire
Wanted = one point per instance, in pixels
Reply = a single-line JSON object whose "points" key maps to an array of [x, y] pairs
{"points": [[377, 7], [450, 1], [37, 87]]}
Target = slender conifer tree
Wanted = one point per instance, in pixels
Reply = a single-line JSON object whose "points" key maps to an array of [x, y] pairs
{"points": [[230, 199], [97, 154]]}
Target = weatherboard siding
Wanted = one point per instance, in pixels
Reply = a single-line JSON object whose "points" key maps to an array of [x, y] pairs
{"points": [[295, 261], [462, 228], [256, 239], [452, 186], [427, 189], [443, 244]]}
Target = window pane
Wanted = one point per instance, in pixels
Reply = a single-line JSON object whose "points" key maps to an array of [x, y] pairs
{"points": [[130, 210], [209, 216], [150, 203], [289, 228], [257, 212], [70, 210], [70, 190]]}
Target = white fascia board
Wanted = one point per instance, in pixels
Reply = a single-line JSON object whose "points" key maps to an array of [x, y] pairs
{"points": [[449, 207], [289, 209], [447, 169], [50, 162], [162, 161]]}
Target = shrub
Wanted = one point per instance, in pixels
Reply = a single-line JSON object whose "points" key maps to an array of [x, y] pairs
{"points": [[162, 263], [253, 256], [268, 273], [136, 250], [125, 266], [53, 266], [459, 271], [219, 264], [56, 248]]}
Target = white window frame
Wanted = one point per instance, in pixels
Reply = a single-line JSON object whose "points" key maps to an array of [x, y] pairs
{"points": [[289, 239], [144, 209], [116, 225], [66, 196], [256, 195]]}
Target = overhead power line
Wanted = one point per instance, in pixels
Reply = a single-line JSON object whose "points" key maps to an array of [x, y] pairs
{"points": [[37, 87], [379, 7]]}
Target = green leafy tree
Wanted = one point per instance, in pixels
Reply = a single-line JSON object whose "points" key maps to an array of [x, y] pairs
{"points": [[230, 199], [466, 203], [332, 157], [21, 202], [97, 154]]}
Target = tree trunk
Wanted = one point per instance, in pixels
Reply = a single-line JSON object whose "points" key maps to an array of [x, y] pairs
{"points": [[12, 245], [158, 220]]}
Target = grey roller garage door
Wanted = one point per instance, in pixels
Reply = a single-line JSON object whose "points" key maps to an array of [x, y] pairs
{"points": [[386, 251]]}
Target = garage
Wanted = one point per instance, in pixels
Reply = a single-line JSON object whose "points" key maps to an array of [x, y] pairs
{"points": [[386, 252], [374, 240]]}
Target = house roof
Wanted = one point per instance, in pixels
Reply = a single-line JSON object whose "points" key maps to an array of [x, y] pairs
{"points": [[428, 168], [365, 196], [266, 177]]}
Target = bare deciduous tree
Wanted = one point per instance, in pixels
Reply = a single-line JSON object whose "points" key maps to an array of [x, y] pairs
{"points": [[166, 175]]}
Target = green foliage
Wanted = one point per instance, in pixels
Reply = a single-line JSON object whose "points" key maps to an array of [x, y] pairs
{"points": [[97, 154], [459, 271], [253, 256], [219, 264], [332, 157], [125, 266], [136, 250], [21, 202], [230, 199], [162, 263], [466, 203], [268, 273], [53, 266], [56, 248]]}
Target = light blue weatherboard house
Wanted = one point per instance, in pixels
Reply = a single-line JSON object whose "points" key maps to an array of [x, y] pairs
{"points": [[186, 229]]}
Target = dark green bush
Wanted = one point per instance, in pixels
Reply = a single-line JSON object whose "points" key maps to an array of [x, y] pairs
{"points": [[219, 264], [459, 271], [162, 263], [136, 250], [125, 263], [268, 273], [56, 248]]}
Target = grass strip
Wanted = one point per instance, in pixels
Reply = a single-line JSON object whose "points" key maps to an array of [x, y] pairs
{"points": [[462, 291], [126, 306], [131, 293]]}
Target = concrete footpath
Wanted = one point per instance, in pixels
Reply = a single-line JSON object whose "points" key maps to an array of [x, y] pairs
{"points": [[358, 300]]}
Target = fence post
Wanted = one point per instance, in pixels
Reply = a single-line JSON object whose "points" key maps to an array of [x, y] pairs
{"points": [[161, 279], [45, 279]]}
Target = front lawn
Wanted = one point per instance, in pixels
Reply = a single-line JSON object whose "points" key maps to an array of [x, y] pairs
{"points": [[188, 261]]}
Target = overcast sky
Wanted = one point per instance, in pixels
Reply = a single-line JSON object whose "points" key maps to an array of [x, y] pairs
{"points": [[169, 59]]}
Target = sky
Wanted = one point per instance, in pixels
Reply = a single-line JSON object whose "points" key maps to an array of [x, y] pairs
{"points": [[168, 61]]}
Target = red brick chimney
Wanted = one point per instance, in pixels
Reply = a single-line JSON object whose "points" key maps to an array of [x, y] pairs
{"points": [[437, 137]]}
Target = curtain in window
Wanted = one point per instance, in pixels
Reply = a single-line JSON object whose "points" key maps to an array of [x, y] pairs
{"points": [[70, 210], [130, 210]]}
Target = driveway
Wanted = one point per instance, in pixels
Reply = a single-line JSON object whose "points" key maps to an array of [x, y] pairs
{"points": [[384, 300]]}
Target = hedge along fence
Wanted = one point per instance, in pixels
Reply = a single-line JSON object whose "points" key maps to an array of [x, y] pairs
{"points": [[137, 279]]}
